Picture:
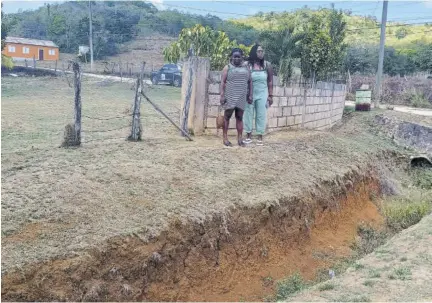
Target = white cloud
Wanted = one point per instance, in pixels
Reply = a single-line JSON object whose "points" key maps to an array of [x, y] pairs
{"points": [[428, 3], [158, 4]]}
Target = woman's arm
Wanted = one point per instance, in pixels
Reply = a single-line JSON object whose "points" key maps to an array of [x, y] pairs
{"points": [[223, 84], [250, 88], [270, 84]]}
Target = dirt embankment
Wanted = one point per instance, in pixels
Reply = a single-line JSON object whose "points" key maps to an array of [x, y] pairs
{"points": [[227, 258]]}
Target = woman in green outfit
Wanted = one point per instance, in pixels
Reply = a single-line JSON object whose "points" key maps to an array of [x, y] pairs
{"points": [[262, 80]]}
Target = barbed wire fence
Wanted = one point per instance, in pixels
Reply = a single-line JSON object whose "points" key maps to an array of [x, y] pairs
{"points": [[81, 130], [123, 70]]}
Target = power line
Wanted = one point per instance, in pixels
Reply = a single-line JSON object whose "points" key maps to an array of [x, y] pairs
{"points": [[205, 10], [377, 27]]}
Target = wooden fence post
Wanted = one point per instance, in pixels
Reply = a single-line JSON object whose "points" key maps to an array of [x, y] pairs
{"points": [[34, 61], [186, 105], [77, 86], [199, 102], [136, 130], [55, 69], [72, 135], [26, 64]]}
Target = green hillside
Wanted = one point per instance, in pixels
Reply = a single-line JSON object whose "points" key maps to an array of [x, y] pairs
{"points": [[360, 29]]}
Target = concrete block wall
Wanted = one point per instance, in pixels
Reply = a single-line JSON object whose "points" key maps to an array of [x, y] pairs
{"points": [[293, 107]]}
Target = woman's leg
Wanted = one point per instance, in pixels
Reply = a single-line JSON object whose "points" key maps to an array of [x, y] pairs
{"points": [[227, 116], [239, 125], [261, 115], [248, 119]]}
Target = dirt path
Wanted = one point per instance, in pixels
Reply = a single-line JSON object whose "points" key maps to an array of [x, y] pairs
{"points": [[403, 109], [400, 270]]}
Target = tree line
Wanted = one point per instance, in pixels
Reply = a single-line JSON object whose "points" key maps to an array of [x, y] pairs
{"points": [[114, 23], [314, 41]]}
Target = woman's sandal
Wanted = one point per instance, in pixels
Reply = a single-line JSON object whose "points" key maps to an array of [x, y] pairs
{"points": [[227, 144]]}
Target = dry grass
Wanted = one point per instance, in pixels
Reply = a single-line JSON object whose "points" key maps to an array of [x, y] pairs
{"points": [[385, 277], [58, 201]]}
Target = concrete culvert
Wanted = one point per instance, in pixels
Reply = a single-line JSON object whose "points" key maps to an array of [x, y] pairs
{"points": [[421, 161]]}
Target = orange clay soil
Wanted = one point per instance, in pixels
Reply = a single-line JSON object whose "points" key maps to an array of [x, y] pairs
{"points": [[248, 272], [236, 256]]}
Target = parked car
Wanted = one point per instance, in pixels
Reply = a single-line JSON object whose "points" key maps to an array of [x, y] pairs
{"points": [[168, 74]]}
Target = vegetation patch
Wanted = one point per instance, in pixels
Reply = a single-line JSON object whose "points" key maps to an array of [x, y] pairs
{"points": [[290, 286], [326, 286], [405, 213], [368, 283], [374, 273], [401, 273]]}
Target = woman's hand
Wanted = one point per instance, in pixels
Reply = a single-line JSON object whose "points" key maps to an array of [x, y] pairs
{"points": [[250, 99], [222, 100], [270, 100]]}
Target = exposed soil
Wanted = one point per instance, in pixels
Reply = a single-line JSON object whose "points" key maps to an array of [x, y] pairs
{"points": [[227, 259]]}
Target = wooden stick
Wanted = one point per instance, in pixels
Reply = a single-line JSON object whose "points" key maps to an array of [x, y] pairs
{"points": [[136, 130], [77, 84], [65, 75], [168, 118], [185, 114]]}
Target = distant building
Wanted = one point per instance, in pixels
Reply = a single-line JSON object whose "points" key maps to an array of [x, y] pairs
{"points": [[23, 48]]}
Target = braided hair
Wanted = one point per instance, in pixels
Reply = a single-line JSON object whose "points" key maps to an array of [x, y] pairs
{"points": [[253, 56]]}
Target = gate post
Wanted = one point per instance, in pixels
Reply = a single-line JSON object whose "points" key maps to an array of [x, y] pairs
{"points": [[198, 102]]}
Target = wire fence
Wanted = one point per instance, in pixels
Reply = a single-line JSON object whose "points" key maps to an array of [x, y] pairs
{"points": [[120, 69]]}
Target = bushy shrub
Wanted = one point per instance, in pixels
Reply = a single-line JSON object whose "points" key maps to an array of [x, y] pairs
{"points": [[410, 91]]}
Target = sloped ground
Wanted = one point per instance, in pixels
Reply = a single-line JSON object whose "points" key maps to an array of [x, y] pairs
{"points": [[398, 271], [59, 203], [71, 199]]}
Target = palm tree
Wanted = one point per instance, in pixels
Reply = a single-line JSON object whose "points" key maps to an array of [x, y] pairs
{"points": [[282, 47]]}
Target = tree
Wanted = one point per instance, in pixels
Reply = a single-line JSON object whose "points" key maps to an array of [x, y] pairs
{"points": [[204, 42], [282, 47], [401, 33], [322, 48], [361, 59], [6, 61], [422, 57], [396, 63]]}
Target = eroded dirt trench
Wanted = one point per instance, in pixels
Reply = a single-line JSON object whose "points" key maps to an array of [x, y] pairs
{"points": [[232, 257]]}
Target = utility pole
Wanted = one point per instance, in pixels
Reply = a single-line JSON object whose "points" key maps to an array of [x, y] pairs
{"points": [[91, 37], [381, 54]]}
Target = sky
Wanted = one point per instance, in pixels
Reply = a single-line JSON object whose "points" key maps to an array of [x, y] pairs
{"points": [[401, 11]]}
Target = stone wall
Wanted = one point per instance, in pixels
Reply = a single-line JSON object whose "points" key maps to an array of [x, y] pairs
{"points": [[318, 107], [293, 107]]}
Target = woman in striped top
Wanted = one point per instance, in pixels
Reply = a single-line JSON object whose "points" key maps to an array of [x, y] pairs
{"points": [[236, 90]]}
